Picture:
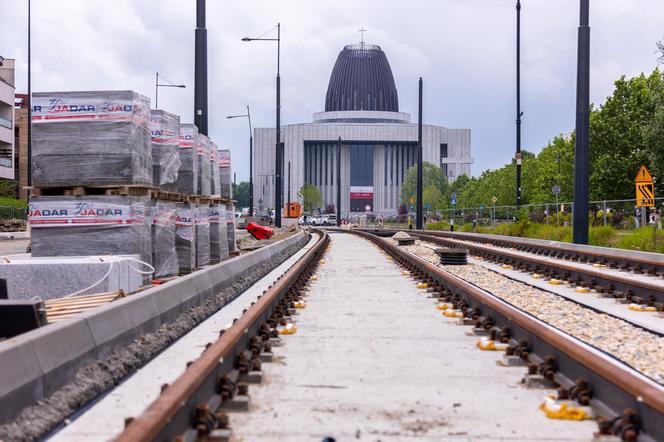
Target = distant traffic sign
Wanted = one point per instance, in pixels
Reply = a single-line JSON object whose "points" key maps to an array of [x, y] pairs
{"points": [[428, 206], [453, 202], [555, 189], [494, 199], [645, 188], [412, 207]]}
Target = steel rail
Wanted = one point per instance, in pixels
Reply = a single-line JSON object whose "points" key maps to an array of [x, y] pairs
{"points": [[614, 258], [623, 286], [642, 291], [173, 412], [615, 386]]}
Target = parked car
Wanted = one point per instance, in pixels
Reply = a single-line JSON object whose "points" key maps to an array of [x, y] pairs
{"points": [[329, 219]]}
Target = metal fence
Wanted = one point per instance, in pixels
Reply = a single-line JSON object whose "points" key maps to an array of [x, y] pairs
{"points": [[620, 214]]}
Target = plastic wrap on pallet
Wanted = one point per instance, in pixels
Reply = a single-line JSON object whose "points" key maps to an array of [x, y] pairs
{"points": [[165, 137], [214, 165], [225, 174], [202, 235], [218, 235], [185, 236], [164, 256], [91, 138], [94, 225], [187, 180], [204, 167], [230, 227]]}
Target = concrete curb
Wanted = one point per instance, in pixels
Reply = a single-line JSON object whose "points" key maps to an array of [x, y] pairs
{"points": [[37, 363]]}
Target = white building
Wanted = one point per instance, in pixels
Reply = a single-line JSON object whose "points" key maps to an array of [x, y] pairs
{"points": [[378, 143], [7, 119]]}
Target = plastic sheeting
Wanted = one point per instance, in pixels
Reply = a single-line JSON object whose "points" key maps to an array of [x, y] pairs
{"points": [[225, 174], [94, 225], [91, 138], [216, 175], [202, 222], [165, 138], [230, 227], [187, 180], [204, 167], [185, 234], [218, 235], [164, 256]]}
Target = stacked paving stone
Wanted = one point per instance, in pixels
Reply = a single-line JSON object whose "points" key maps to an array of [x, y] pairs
{"points": [[216, 174], [165, 137], [187, 179], [114, 177], [202, 233], [184, 237], [164, 255], [91, 225], [91, 138], [225, 174], [204, 167], [218, 235]]}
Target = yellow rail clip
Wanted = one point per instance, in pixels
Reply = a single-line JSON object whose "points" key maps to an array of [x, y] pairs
{"points": [[490, 345], [289, 329], [641, 308], [563, 410]]}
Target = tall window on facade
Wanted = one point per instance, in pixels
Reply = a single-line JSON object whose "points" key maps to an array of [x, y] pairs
{"points": [[361, 177]]}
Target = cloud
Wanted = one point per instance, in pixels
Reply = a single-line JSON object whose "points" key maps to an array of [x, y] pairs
{"points": [[464, 50]]}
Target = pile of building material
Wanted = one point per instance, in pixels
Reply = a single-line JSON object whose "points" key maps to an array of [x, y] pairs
{"points": [[165, 137], [202, 222], [49, 278], [185, 246], [216, 174], [225, 174], [112, 177], [230, 227], [204, 167], [187, 179], [164, 255], [218, 235], [91, 138], [92, 225]]}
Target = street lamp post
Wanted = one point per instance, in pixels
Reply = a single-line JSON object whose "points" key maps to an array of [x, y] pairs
{"points": [[518, 104], [29, 102], [157, 86], [580, 208], [251, 160], [278, 159]]}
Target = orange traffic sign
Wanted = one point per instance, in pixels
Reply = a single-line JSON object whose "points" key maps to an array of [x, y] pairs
{"points": [[643, 176], [645, 188]]}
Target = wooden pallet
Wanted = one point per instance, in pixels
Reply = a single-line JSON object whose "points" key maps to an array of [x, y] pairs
{"points": [[64, 308], [107, 190]]}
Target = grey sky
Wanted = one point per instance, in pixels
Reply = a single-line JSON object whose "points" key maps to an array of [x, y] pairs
{"points": [[464, 50]]}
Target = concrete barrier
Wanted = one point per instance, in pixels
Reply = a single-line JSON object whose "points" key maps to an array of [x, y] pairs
{"points": [[37, 363]]}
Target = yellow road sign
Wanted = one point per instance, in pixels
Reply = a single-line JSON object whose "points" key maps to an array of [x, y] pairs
{"points": [[645, 188]]}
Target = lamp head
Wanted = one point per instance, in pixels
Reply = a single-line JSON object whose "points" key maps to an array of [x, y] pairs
{"points": [[247, 39]]}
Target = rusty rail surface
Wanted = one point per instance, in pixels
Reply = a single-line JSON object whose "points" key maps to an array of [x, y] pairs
{"points": [[190, 403], [631, 402], [633, 290]]}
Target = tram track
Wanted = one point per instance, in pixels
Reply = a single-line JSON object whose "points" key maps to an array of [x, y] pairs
{"points": [[630, 404], [639, 282], [192, 407]]}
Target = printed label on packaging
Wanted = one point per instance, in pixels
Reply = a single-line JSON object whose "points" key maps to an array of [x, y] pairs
{"points": [[202, 217], [162, 215], [225, 158], [79, 213], [183, 217], [230, 215], [161, 133], [187, 137], [216, 214], [62, 109]]}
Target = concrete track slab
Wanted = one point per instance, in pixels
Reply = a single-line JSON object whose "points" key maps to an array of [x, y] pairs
{"points": [[374, 360], [105, 419]]}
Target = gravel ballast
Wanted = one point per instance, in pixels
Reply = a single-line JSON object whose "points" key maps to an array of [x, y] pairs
{"points": [[633, 345], [98, 376]]}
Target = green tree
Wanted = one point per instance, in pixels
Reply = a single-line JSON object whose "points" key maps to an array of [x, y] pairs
{"points": [[312, 197], [432, 177], [241, 194]]}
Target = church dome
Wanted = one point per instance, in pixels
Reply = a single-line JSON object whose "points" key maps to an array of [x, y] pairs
{"points": [[362, 80]]}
